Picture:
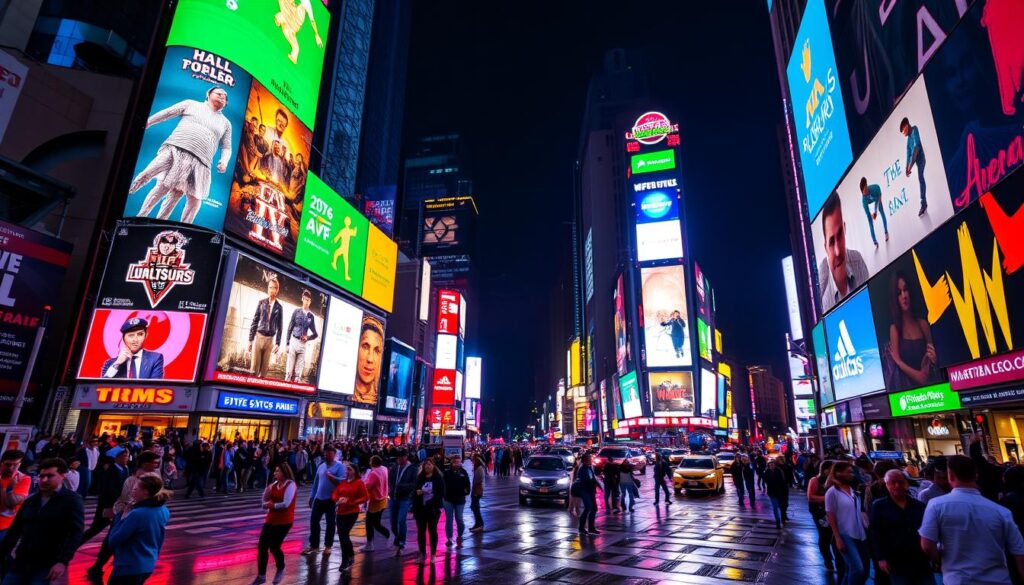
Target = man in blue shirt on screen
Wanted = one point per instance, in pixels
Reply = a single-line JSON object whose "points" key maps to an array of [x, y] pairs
{"points": [[915, 156], [872, 194]]}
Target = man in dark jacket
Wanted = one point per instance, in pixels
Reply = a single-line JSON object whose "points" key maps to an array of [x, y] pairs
{"points": [[742, 472], [990, 476], [895, 520], [113, 481], [662, 471], [778, 491], [47, 529], [401, 485], [588, 486], [611, 486], [456, 488]]}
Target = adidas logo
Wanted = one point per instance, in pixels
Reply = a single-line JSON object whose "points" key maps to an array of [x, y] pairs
{"points": [[845, 362]]}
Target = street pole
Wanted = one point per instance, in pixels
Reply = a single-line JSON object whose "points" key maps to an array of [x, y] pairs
{"points": [[19, 401]]}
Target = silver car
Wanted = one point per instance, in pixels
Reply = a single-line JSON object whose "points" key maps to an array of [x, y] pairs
{"points": [[545, 477]]}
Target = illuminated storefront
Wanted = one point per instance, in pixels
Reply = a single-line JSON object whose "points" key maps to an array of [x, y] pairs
{"points": [[146, 411]]}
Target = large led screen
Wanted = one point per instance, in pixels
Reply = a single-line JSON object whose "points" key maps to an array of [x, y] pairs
{"points": [[332, 237], [270, 327], [397, 391], [279, 43], [370, 358], [671, 393], [820, 119], [188, 152], [893, 196], [708, 394], [143, 344], [474, 374], [666, 326], [822, 364], [703, 339], [341, 347], [853, 353], [629, 390], [269, 181], [619, 326], [661, 240], [656, 205], [446, 351], [381, 264]]}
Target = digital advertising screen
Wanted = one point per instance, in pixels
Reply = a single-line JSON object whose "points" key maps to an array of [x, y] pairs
{"points": [[449, 226], [332, 237], [268, 187], [822, 363], [656, 205], [974, 84], [33, 273], [279, 43], [703, 339], [893, 196], [652, 162], [192, 140], [474, 375], [341, 347], [270, 328], [818, 109], [629, 390], [448, 311], [880, 50], [397, 392], [661, 240], [666, 326], [620, 327], [381, 265], [708, 394], [723, 387], [443, 387], [672, 393], [379, 207], [143, 344], [370, 358], [617, 398], [854, 357], [446, 351]]}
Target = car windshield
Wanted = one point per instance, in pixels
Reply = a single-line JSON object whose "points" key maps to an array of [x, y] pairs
{"points": [[613, 453], [726, 456], [696, 464], [545, 464], [560, 452], [678, 452]]}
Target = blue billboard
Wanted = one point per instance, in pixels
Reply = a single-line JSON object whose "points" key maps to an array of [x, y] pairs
{"points": [[828, 395], [818, 110], [657, 205], [856, 367], [256, 403]]}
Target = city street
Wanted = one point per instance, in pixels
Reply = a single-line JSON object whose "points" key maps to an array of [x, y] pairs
{"points": [[698, 539]]}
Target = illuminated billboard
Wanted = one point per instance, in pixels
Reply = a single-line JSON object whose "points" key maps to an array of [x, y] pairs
{"points": [[893, 196], [820, 117], [279, 43], [446, 351], [449, 226], [656, 205], [448, 311], [341, 347], [381, 266], [370, 358], [396, 391], [661, 240], [332, 237], [652, 162], [666, 333], [620, 326], [474, 373], [856, 365], [629, 390], [443, 387], [708, 394], [671, 393], [822, 364]]}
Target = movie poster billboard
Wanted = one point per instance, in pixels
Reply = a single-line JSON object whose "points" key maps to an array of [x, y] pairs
{"points": [[270, 329], [853, 353], [370, 356], [671, 393], [629, 389], [332, 237], [191, 143], [397, 391], [620, 326], [280, 43], [879, 51], [32, 267], [818, 110], [974, 82], [340, 347], [968, 275], [893, 196], [666, 320], [269, 180]]}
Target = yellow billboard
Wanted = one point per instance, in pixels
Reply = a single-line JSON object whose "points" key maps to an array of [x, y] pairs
{"points": [[381, 263]]}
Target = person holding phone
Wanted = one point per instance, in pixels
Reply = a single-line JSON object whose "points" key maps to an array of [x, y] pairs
{"points": [[426, 507]]}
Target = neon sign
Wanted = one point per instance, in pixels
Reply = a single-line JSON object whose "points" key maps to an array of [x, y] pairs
{"points": [[651, 128]]}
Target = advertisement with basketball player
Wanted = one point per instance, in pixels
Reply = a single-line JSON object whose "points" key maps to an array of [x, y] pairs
{"points": [[269, 181], [270, 328], [332, 237]]}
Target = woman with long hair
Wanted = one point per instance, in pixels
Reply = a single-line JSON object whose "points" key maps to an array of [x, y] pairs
{"points": [[911, 348], [426, 507], [377, 488], [816, 488], [137, 536], [279, 501], [350, 493], [846, 518]]}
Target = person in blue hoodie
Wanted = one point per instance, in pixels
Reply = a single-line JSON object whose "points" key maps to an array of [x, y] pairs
{"points": [[138, 535]]}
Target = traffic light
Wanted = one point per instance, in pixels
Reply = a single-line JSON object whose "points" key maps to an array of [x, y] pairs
{"points": [[980, 421]]}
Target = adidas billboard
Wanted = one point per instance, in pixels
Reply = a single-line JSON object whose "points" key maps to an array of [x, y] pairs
{"points": [[855, 363]]}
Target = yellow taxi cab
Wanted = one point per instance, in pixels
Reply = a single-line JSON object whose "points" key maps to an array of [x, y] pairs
{"points": [[699, 473]]}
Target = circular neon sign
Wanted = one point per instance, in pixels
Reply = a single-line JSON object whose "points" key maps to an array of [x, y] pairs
{"points": [[651, 128]]}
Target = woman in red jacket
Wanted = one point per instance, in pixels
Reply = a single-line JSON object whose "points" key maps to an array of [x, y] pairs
{"points": [[279, 502], [350, 493]]}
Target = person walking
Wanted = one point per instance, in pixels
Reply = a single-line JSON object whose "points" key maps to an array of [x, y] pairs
{"points": [[426, 507], [112, 484], [968, 534], [816, 487], [742, 471], [90, 458], [14, 488], [938, 473], [843, 509], [328, 475], [662, 471], [138, 533], [279, 499], [401, 488], [377, 488], [456, 487], [778, 491], [627, 485], [612, 479], [895, 520], [46, 531], [588, 486], [479, 470], [350, 494]]}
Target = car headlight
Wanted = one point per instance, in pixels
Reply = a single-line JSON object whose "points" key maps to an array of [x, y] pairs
{"points": [[711, 475], [563, 481], [525, 480]]}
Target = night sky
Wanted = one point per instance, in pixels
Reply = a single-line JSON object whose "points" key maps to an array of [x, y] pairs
{"points": [[512, 78]]}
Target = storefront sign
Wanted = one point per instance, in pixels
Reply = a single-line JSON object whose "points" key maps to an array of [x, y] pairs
{"points": [[893, 455], [137, 397], [361, 414], [876, 407], [325, 411], [254, 403], [991, 396], [935, 398], [999, 369]]}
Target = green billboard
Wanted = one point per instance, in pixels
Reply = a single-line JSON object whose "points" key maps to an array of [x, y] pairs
{"points": [[925, 400], [703, 339], [279, 43], [332, 237], [652, 162]]}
